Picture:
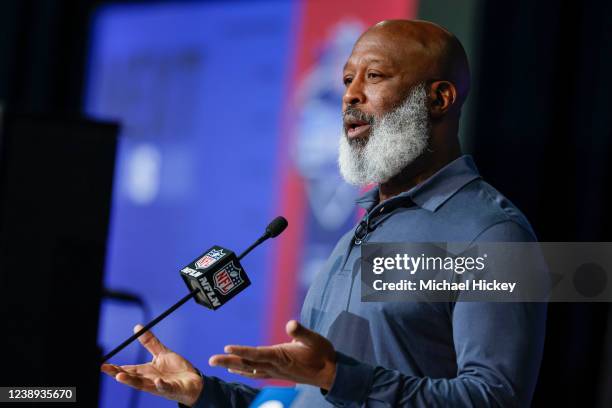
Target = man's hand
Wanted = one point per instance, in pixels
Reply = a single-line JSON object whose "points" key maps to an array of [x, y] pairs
{"points": [[168, 375], [309, 359]]}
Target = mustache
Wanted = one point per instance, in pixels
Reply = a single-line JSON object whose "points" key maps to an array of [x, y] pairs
{"points": [[355, 113]]}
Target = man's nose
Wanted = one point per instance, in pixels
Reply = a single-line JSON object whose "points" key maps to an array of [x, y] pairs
{"points": [[354, 93]]}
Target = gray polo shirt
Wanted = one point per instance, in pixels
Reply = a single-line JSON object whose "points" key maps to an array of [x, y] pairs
{"points": [[409, 354]]}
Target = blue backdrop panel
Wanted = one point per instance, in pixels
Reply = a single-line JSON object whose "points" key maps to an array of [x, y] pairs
{"points": [[198, 90]]}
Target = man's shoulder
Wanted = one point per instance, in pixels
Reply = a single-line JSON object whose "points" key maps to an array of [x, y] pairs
{"points": [[480, 208]]}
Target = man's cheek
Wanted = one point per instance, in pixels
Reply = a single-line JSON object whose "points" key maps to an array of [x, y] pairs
{"points": [[380, 105]]}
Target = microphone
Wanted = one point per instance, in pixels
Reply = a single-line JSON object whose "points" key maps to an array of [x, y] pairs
{"points": [[213, 279], [217, 273]]}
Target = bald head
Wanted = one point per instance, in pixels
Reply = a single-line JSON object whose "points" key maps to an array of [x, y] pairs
{"points": [[395, 55], [434, 51]]}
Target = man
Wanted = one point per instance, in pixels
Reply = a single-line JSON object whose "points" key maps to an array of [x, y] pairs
{"points": [[405, 84]]}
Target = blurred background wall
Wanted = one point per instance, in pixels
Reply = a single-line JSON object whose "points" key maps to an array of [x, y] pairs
{"points": [[230, 113]]}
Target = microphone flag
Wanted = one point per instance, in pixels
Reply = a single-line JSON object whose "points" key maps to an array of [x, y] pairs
{"points": [[219, 276]]}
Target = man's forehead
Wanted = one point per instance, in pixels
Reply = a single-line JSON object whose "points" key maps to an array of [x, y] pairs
{"points": [[375, 48]]}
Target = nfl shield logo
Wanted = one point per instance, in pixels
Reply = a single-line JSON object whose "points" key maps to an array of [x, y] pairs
{"points": [[227, 279], [210, 258], [205, 262]]}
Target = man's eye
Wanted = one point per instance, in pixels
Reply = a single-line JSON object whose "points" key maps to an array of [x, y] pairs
{"points": [[347, 80], [372, 75]]}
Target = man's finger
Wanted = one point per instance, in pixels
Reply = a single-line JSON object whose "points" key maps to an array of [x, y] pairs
{"points": [[149, 341], [110, 369], [259, 374], [238, 363], [231, 361], [302, 334], [136, 381], [145, 370], [267, 354], [133, 369]]}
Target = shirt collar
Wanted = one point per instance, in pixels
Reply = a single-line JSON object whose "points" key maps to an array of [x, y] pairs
{"points": [[433, 192]]}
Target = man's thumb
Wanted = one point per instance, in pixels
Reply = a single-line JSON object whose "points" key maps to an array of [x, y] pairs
{"points": [[301, 333]]}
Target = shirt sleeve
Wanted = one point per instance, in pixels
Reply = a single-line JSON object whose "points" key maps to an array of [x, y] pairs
{"points": [[217, 393], [498, 350]]}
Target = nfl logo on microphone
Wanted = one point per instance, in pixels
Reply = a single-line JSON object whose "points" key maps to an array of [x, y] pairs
{"points": [[219, 276], [212, 256], [228, 278]]}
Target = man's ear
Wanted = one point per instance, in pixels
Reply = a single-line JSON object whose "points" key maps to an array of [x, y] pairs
{"points": [[442, 96]]}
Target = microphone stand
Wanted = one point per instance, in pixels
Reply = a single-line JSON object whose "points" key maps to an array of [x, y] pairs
{"points": [[150, 324], [275, 228]]}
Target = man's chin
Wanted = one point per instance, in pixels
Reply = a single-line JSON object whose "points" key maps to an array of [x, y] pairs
{"points": [[358, 142]]}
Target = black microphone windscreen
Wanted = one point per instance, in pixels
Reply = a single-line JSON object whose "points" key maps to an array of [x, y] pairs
{"points": [[277, 226]]}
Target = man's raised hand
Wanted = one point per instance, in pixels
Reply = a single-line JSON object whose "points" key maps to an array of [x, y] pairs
{"points": [[168, 374], [309, 359]]}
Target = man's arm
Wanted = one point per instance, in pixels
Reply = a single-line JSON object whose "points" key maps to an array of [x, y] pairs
{"points": [[498, 353], [499, 348]]}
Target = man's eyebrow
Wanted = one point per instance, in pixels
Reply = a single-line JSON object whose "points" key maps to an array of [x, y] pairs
{"points": [[367, 60]]}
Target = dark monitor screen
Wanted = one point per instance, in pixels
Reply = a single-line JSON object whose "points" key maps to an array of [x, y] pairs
{"points": [[55, 194]]}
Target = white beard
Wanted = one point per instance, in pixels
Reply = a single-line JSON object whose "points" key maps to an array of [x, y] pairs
{"points": [[396, 139]]}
